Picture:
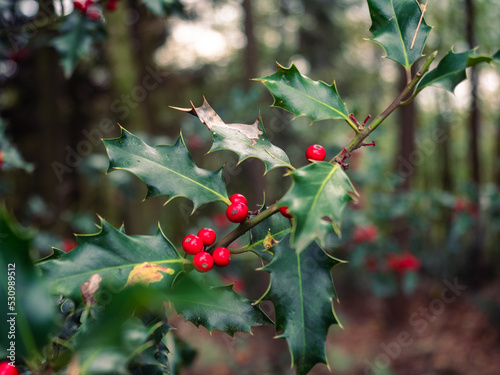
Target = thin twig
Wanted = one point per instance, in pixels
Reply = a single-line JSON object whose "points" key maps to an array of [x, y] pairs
{"points": [[424, 8]]}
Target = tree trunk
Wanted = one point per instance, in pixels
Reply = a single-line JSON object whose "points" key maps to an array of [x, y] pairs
{"points": [[251, 51], [251, 70], [474, 112], [474, 257], [405, 163]]}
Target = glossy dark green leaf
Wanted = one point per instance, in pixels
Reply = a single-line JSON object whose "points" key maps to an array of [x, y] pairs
{"points": [[302, 96], [266, 234], [78, 33], [218, 308], [28, 311], [394, 26], [316, 199], [113, 255], [248, 141], [496, 56], [167, 170], [450, 71], [302, 291]]}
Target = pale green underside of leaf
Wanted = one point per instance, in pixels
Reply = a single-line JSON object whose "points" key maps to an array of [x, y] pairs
{"points": [[319, 190], [157, 7], [394, 24], [167, 170], [450, 71], [302, 292], [247, 141], [112, 254], [302, 96]]}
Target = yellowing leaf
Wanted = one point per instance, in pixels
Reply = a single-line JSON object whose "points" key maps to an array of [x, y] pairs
{"points": [[269, 241], [147, 273]]}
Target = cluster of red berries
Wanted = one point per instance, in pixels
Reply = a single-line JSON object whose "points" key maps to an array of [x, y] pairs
{"points": [[196, 245], [237, 211], [85, 7], [6, 368]]}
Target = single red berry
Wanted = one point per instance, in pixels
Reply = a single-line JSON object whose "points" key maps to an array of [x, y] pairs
{"points": [[68, 245], [6, 368], [94, 15], [222, 256], [112, 5], [192, 244], [238, 198], [207, 235], [315, 153], [203, 262], [237, 212], [286, 212]]}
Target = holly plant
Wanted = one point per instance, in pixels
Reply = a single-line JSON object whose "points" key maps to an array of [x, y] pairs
{"points": [[121, 283]]}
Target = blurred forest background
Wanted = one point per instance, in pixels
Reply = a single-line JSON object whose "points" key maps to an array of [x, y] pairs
{"points": [[429, 188]]}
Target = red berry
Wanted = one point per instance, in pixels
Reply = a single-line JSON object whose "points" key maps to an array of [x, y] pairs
{"points": [[192, 244], [367, 233], [111, 5], [81, 6], [207, 235], [68, 245], [1, 158], [237, 212], [93, 15], [238, 198], [7, 369], [203, 262], [286, 212], [315, 153], [222, 256]]}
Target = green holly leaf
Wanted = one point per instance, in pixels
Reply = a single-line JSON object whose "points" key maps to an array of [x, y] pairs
{"points": [[162, 7], [78, 34], [248, 141], [496, 56], [316, 199], [394, 26], [451, 70], [267, 234], [218, 308], [26, 303], [167, 170], [302, 96], [127, 342], [119, 259], [302, 291]]}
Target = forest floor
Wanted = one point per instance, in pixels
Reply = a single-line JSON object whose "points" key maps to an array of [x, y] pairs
{"points": [[443, 329]]}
